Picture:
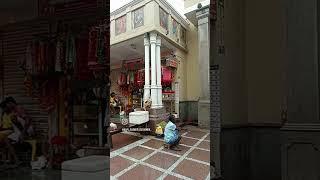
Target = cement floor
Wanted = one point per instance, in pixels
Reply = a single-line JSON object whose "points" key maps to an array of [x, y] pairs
{"points": [[147, 159]]}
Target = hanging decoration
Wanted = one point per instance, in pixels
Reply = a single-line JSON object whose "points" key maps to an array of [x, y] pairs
{"points": [[98, 53], [171, 62], [166, 76], [70, 50], [82, 71], [39, 64], [140, 78], [59, 56]]}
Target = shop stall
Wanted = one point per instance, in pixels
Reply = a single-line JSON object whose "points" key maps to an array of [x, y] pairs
{"points": [[66, 71], [129, 85]]}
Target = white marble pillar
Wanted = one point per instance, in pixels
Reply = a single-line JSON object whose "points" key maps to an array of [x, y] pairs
{"points": [[158, 65], [153, 41], [204, 66], [146, 95]]}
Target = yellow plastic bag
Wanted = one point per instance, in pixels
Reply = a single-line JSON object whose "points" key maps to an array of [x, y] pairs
{"points": [[159, 130]]}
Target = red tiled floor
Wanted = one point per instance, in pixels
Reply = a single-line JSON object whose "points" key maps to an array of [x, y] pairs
{"points": [[156, 144], [208, 137], [188, 141], [183, 130], [138, 152], [117, 164], [200, 155], [169, 177], [192, 170], [184, 149], [204, 145], [120, 140], [141, 172], [195, 134], [162, 160]]}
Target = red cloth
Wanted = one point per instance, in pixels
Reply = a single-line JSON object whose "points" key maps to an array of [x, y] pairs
{"points": [[92, 52], [82, 69], [140, 78], [166, 76], [122, 79], [59, 140]]}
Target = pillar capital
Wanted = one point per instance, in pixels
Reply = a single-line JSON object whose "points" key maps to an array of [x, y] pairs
{"points": [[146, 40], [158, 41], [203, 13], [153, 38]]}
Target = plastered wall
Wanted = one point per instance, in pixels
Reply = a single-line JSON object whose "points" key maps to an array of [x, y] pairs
{"points": [[264, 59]]}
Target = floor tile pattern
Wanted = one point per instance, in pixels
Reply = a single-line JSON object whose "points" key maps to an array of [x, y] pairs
{"points": [[148, 159]]}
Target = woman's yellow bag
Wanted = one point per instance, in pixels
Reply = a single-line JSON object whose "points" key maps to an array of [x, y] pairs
{"points": [[159, 130]]}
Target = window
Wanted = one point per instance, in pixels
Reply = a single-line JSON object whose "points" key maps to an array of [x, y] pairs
{"points": [[138, 18], [121, 25], [163, 19]]}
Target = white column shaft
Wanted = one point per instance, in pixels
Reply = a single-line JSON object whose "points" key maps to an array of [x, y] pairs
{"points": [[153, 40], [146, 68], [159, 74]]}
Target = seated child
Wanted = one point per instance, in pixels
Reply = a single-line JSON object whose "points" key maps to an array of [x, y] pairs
{"points": [[171, 134]]}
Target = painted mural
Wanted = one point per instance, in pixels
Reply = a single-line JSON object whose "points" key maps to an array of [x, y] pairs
{"points": [[183, 35], [163, 19], [121, 25], [138, 18], [175, 27]]}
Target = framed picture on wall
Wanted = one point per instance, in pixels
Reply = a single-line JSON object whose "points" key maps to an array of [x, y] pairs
{"points": [[138, 17], [175, 27], [163, 19], [183, 34], [121, 25]]}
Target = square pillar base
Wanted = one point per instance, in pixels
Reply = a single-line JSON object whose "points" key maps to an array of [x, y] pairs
{"points": [[204, 114], [156, 115]]}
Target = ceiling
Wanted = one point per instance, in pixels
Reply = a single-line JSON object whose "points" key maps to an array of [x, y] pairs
{"points": [[133, 49]]}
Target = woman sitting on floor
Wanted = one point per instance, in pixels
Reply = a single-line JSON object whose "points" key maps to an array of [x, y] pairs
{"points": [[171, 134]]}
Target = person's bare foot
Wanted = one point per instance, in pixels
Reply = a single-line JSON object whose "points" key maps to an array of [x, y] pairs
{"points": [[167, 146]]}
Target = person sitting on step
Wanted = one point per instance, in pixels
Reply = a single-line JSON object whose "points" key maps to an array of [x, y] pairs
{"points": [[9, 128], [113, 103]]}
